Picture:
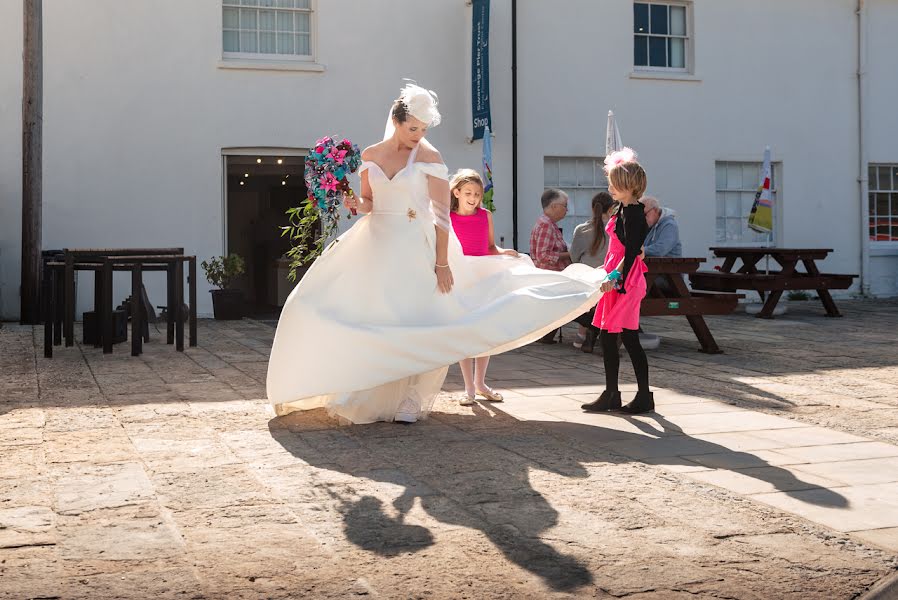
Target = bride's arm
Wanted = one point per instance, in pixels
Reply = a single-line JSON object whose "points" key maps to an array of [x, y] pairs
{"points": [[366, 196]]}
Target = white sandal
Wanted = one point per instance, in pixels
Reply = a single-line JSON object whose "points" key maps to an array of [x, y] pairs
{"points": [[466, 400], [491, 395]]}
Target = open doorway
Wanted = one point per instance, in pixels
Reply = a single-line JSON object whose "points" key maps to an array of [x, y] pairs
{"points": [[259, 190]]}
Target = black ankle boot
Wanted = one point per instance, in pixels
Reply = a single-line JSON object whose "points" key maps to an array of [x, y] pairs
{"points": [[549, 338], [643, 402], [607, 401], [590, 342]]}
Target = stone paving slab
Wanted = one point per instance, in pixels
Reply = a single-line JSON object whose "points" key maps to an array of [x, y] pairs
{"points": [[168, 476]]}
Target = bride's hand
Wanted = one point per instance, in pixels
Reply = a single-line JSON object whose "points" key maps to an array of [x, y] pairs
{"points": [[351, 202], [444, 279]]}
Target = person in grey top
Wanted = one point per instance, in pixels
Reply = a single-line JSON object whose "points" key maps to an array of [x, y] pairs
{"points": [[589, 246], [664, 233], [590, 243]]}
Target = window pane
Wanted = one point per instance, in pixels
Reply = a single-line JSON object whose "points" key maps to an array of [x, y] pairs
{"points": [[585, 173], [567, 172], [248, 41], [266, 2], [641, 51], [676, 50], [231, 2], [301, 22], [734, 176], [230, 18], [721, 230], [285, 43], [678, 20], [885, 179], [882, 205], [248, 18], [872, 177], [267, 43], [872, 228], [721, 204], [550, 172], [285, 3], [303, 46], [751, 175], [734, 205], [640, 17], [266, 20], [872, 200], [231, 41], [657, 52], [734, 230], [302, 4], [659, 19], [285, 22], [720, 172], [249, 2]]}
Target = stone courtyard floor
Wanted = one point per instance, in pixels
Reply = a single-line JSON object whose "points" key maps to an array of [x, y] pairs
{"points": [[770, 471]]}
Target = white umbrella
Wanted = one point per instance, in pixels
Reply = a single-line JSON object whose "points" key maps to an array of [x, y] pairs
{"points": [[613, 142]]}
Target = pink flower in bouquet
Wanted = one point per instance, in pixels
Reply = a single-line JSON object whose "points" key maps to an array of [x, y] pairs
{"points": [[346, 142], [323, 141], [338, 156], [319, 149], [329, 182]]}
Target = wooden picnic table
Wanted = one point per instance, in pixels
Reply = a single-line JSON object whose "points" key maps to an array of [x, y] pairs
{"points": [[59, 293], [749, 276], [668, 295]]}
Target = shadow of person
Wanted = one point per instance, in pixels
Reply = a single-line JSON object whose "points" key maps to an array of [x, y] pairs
{"points": [[669, 444], [457, 478]]}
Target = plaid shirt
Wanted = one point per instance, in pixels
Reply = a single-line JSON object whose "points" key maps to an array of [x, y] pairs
{"points": [[546, 243]]}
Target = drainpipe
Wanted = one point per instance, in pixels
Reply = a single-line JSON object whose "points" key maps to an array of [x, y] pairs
{"points": [[863, 181], [514, 123]]}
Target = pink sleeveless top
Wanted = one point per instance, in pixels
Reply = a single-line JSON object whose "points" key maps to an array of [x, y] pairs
{"points": [[473, 231]]}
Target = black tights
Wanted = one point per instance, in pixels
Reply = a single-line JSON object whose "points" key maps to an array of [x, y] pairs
{"points": [[611, 358]]}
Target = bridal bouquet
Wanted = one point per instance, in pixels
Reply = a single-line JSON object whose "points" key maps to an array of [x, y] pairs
{"points": [[328, 166]]}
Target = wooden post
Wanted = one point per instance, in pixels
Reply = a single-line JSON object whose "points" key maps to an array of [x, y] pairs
{"points": [[32, 203]]}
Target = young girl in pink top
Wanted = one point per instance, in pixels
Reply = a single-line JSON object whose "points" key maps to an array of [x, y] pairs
{"points": [[473, 225], [617, 314]]}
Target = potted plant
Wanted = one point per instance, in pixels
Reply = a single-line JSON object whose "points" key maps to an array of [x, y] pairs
{"points": [[227, 304]]}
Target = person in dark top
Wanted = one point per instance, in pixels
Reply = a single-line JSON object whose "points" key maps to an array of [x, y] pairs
{"points": [[617, 314]]}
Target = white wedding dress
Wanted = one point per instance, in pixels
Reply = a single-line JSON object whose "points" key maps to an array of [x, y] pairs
{"points": [[367, 334]]}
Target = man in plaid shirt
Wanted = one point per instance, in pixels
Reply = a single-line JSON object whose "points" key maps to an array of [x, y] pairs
{"points": [[547, 246]]}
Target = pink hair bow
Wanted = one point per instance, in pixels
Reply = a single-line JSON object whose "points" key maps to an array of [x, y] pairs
{"points": [[618, 157]]}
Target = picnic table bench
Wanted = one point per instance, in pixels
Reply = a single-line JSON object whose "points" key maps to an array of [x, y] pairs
{"points": [[58, 293], [773, 283], [668, 295]]}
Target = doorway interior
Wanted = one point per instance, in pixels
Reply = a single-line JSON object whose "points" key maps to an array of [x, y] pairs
{"points": [[259, 189]]}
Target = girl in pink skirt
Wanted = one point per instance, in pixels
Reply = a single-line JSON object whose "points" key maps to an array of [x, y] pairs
{"points": [[617, 314], [473, 225]]}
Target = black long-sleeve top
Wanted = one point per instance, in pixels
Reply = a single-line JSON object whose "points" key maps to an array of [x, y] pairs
{"points": [[631, 229]]}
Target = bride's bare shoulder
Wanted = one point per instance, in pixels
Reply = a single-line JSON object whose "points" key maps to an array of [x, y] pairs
{"points": [[373, 151], [428, 153]]}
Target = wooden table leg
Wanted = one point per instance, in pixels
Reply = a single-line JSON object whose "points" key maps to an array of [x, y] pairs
{"points": [[191, 281], [68, 296], [48, 310], [703, 334], [58, 307], [136, 309], [98, 308], [787, 272], [170, 309], [106, 323], [770, 304], [179, 304], [825, 298]]}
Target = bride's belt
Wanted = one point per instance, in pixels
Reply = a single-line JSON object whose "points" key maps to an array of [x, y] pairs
{"points": [[411, 214]]}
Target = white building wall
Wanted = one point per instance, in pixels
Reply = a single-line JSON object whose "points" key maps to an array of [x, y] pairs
{"points": [[754, 84], [882, 125]]}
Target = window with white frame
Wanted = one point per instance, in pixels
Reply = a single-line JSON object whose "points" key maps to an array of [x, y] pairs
{"points": [[883, 189], [580, 178], [737, 184], [267, 29], [661, 35]]}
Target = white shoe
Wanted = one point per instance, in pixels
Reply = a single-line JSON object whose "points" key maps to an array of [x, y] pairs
{"points": [[408, 411], [466, 400]]}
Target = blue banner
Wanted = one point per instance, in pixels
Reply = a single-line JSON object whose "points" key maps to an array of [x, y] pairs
{"points": [[480, 68]]}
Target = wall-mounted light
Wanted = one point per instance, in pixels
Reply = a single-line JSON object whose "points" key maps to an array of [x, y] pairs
{"points": [[246, 174], [259, 161], [241, 183], [280, 161]]}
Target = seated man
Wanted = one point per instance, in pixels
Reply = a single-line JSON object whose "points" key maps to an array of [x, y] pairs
{"points": [[663, 238], [547, 246], [664, 233]]}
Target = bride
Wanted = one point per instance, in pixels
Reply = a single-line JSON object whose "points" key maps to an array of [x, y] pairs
{"points": [[371, 327]]}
